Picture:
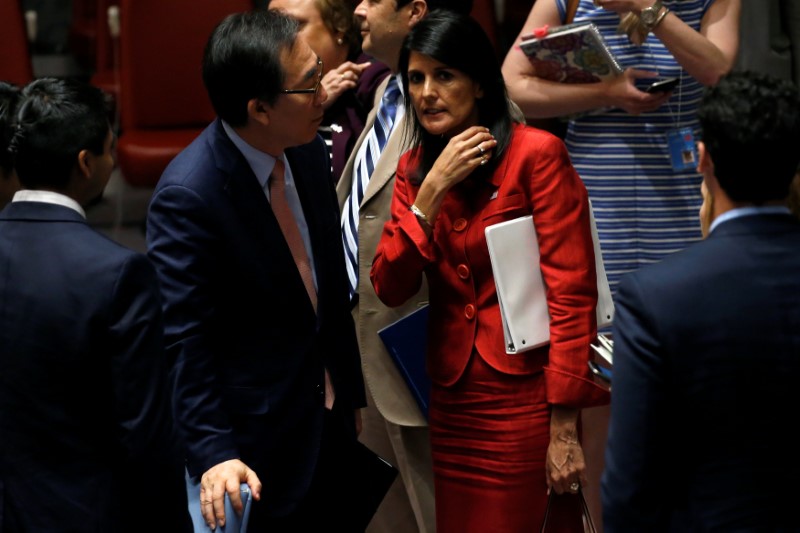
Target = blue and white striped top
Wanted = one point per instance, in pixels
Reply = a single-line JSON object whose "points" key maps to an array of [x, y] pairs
{"points": [[644, 209]]}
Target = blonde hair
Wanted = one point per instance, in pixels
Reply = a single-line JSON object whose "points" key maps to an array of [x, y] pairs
{"points": [[339, 17]]}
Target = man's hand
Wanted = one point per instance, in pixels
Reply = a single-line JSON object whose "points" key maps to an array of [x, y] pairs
{"points": [[222, 478], [342, 78]]}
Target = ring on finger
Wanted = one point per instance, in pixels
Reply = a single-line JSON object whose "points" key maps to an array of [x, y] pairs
{"points": [[484, 160], [574, 487], [206, 502], [481, 151]]}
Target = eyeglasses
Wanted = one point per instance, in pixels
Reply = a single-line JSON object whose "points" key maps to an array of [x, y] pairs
{"points": [[314, 90]]}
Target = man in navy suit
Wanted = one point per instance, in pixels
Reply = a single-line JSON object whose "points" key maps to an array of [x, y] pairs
{"points": [[707, 342], [267, 378], [87, 440]]}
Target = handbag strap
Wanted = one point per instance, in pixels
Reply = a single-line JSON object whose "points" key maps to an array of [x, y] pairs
{"points": [[588, 524], [547, 511], [572, 7]]}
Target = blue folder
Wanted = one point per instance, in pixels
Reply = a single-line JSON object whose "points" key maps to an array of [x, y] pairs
{"points": [[406, 340], [233, 522]]}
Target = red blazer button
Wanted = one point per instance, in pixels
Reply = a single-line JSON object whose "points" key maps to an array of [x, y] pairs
{"points": [[460, 224], [469, 311], [463, 271]]}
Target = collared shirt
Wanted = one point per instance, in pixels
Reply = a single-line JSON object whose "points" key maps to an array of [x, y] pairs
{"points": [[262, 164], [748, 211], [48, 197]]}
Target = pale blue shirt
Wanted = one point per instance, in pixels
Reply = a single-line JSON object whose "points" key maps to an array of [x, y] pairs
{"points": [[262, 164], [48, 197], [748, 211]]}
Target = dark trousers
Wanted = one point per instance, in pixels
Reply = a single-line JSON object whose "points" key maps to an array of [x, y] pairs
{"points": [[328, 505]]}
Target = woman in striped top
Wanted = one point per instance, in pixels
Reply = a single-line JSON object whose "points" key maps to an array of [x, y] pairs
{"points": [[645, 204]]}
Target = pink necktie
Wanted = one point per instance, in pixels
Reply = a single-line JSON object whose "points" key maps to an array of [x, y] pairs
{"points": [[288, 224], [277, 195]]}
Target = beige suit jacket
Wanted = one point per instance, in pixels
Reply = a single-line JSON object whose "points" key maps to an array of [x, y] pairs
{"points": [[387, 386]]}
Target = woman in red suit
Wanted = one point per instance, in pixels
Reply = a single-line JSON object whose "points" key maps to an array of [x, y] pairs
{"points": [[504, 429]]}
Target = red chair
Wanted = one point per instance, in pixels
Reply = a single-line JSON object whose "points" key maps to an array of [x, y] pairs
{"points": [[483, 12], [106, 71], [163, 103], [82, 34], [15, 56]]}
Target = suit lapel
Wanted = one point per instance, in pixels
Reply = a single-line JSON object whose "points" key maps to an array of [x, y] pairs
{"points": [[248, 198], [252, 205], [387, 164], [345, 184]]}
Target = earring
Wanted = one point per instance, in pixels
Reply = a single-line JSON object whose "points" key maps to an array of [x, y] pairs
{"points": [[339, 41]]}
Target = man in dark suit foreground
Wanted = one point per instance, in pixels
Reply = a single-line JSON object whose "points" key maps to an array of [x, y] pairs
{"points": [[267, 380], [707, 342], [87, 441]]}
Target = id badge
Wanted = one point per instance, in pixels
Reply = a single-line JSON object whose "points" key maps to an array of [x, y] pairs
{"points": [[682, 149]]}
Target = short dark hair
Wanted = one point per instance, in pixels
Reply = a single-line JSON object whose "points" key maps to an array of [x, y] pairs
{"points": [[458, 41], [55, 120], [458, 6], [750, 125], [242, 61], [9, 94]]}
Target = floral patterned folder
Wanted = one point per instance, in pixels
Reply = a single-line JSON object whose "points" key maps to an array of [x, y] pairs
{"points": [[573, 53]]}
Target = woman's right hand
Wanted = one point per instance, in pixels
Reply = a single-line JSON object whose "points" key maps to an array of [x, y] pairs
{"points": [[623, 93], [464, 153]]}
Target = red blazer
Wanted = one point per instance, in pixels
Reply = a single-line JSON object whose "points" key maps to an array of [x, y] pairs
{"points": [[534, 176]]}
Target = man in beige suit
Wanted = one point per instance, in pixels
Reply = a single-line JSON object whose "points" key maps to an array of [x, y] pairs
{"points": [[393, 424]]}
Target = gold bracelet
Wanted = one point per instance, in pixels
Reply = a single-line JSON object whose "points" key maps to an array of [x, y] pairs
{"points": [[420, 215], [664, 11]]}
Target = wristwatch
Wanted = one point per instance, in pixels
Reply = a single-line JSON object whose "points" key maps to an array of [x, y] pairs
{"points": [[651, 16]]}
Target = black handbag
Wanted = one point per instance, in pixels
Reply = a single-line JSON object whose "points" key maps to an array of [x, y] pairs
{"points": [[586, 517]]}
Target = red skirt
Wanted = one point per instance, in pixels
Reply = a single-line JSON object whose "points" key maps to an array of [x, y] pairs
{"points": [[489, 438]]}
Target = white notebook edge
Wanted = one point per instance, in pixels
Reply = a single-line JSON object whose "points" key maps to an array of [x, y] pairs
{"points": [[509, 259], [521, 292]]}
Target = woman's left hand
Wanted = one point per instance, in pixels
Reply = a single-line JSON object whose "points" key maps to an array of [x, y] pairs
{"points": [[564, 465], [340, 79], [566, 469]]}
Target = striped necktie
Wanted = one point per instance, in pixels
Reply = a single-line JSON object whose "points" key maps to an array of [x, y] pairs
{"points": [[362, 171]]}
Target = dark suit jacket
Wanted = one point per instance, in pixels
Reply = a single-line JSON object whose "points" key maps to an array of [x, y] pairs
{"points": [[86, 435], [706, 359], [250, 352]]}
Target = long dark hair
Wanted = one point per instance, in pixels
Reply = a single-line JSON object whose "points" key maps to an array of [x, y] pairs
{"points": [[458, 41]]}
